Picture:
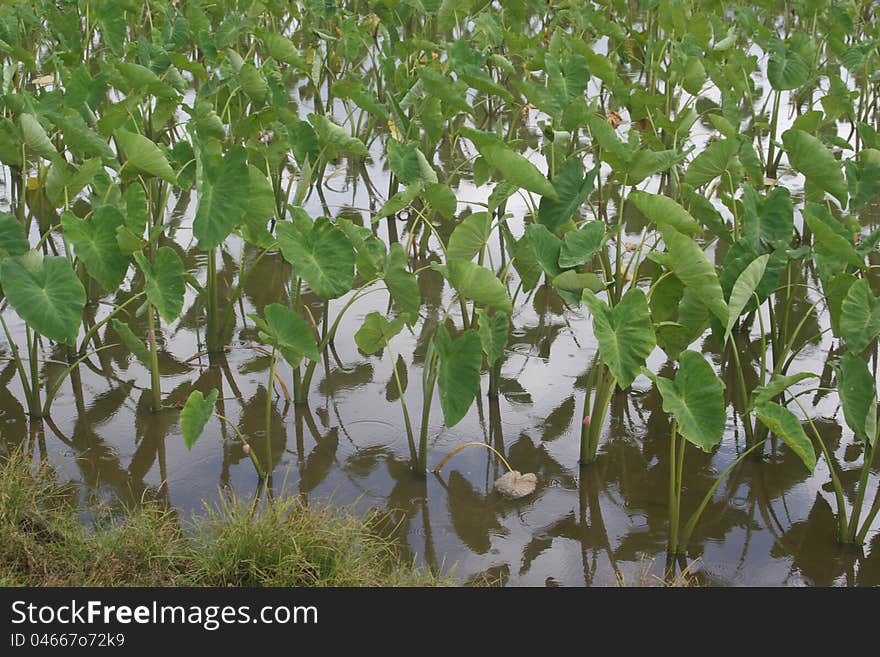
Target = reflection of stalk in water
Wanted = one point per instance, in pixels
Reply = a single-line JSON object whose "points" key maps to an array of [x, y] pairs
{"points": [[588, 498]]}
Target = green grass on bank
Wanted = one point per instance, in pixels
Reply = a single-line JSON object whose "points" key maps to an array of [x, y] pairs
{"points": [[43, 543]]}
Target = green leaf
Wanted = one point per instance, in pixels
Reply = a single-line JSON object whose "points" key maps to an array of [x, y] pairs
{"points": [[572, 189], [376, 332], [860, 316], [323, 256], [786, 69], [223, 198], [493, 330], [252, 82], [282, 49], [402, 283], [35, 139], [336, 136], [688, 262], [516, 169], [458, 376], [546, 247], [290, 332], [479, 285], [144, 155], [46, 293], [830, 242], [469, 236], [195, 415], [164, 281], [664, 211], [129, 339], [442, 199], [13, 238], [136, 210], [809, 156], [625, 335], [94, 242], [858, 394], [695, 397], [580, 245], [744, 289], [768, 220], [785, 425], [398, 201], [573, 281], [778, 384], [711, 162]]}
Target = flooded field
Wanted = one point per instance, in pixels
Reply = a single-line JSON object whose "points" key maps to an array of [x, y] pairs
{"points": [[761, 268]]}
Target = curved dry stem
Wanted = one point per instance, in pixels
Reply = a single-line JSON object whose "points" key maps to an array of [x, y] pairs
{"points": [[472, 444]]}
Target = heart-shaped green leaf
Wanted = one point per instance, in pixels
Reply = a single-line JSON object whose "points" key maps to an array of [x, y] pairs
{"points": [[289, 332], [144, 155], [744, 289], [662, 210], [493, 330], [860, 316], [785, 425], [195, 415], [580, 245], [479, 285], [810, 156], [46, 293], [625, 335], [164, 281], [376, 332], [13, 238], [572, 189], [223, 198], [94, 242], [322, 255], [695, 397], [858, 394], [458, 375]]}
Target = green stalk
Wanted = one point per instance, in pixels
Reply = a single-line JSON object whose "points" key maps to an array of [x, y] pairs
{"points": [[269, 388], [672, 547], [410, 437], [741, 378], [421, 466], [16, 356], [155, 382], [213, 336], [771, 165], [34, 409], [860, 495]]}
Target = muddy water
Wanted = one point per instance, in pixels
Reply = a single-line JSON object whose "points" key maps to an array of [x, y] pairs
{"points": [[768, 524]]}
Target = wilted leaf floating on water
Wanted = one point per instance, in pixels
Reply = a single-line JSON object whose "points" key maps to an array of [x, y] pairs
{"points": [[513, 484]]}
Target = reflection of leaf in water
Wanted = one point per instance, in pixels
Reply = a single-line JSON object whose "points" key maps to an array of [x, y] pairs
{"points": [[363, 461], [525, 456], [13, 423], [258, 363], [536, 338], [492, 576], [352, 379], [546, 300], [168, 364], [252, 424], [105, 405], [391, 393], [558, 420], [319, 461], [268, 279], [473, 516], [812, 547], [514, 392]]}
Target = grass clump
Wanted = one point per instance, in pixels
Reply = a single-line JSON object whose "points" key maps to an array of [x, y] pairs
{"points": [[44, 543]]}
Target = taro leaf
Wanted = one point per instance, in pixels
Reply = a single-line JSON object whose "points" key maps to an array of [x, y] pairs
{"points": [[337, 137], [646, 163], [64, 182], [136, 210], [860, 316], [223, 198], [134, 343], [282, 48], [401, 283], [195, 415], [164, 281], [572, 281], [625, 335], [35, 139], [479, 285], [442, 199], [376, 332], [828, 239], [778, 385], [323, 256], [94, 243], [13, 238], [398, 201], [10, 143], [493, 331], [580, 245], [252, 82], [572, 188], [786, 69], [695, 397], [863, 179], [711, 163], [768, 220], [518, 170], [785, 425], [810, 156], [526, 263], [546, 247], [144, 155], [46, 293], [688, 262], [744, 289], [469, 236], [663, 211], [290, 333], [702, 209], [458, 375], [858, 394]]}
